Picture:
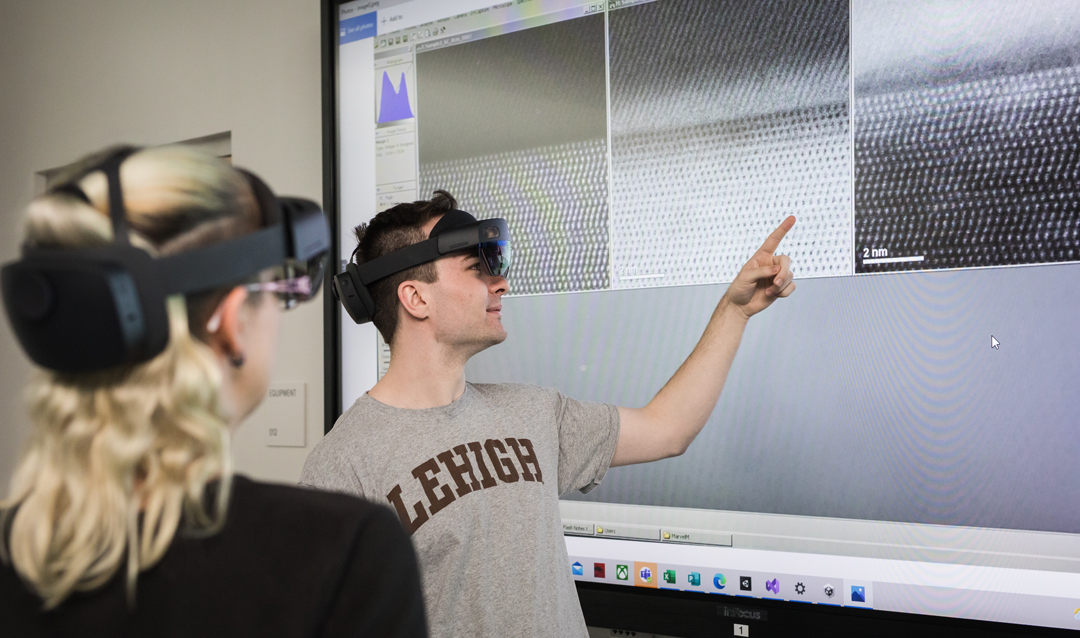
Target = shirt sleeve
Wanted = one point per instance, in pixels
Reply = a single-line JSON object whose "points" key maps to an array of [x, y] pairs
{"points": [[588, 433], [328, 469], [379, 593]]}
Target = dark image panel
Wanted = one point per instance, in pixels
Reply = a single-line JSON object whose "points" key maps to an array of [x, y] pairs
{"points": [[966, 135], [515, 126], [726, 117]]}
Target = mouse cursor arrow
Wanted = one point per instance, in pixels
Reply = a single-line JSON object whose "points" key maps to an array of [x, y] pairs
{"points": [[994, 343]]}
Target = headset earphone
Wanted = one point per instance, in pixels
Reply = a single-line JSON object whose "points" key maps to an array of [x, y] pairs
{"points": [[87, 309], [455, 232]]}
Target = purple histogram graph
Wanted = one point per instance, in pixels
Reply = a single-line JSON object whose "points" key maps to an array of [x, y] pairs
{"points": [[394, 103]]}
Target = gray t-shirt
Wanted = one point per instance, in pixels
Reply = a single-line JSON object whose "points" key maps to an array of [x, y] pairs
{"points": [[477, 483]]}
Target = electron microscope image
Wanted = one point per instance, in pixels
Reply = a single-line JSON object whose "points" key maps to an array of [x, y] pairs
{"points": [[967, 117], [726, 117], [515, 126]]}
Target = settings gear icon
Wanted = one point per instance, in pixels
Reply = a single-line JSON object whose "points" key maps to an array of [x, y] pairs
{"points": [[800, 589]]}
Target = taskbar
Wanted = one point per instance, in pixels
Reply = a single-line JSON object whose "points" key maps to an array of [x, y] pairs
{"points": [[1019, 597]]}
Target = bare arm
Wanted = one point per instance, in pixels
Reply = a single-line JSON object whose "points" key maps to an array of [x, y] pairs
{"points": [[670, 422]]}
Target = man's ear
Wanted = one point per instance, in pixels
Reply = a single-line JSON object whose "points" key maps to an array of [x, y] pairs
{"points": [[412, 295], [225, 330]]}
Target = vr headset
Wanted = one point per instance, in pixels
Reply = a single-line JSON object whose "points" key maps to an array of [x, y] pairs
{"points": [[81, 310], [455, 232]]}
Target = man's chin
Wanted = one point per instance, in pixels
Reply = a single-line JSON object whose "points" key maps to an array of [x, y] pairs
{"points": [[494, 339]]}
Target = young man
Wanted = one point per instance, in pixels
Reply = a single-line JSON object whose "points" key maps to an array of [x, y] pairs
{"points": [[475, 471]]}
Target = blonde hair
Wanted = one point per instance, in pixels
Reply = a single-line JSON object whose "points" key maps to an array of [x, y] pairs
{"points": [[118, 460]]}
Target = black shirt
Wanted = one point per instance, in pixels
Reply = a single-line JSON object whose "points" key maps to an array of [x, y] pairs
{"points": [[288, 562]]}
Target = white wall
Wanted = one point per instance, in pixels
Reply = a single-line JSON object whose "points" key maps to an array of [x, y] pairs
{"points": [[76, 76]]}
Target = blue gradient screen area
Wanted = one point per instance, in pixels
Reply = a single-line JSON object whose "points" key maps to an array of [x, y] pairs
{"points": [[914, 403]]}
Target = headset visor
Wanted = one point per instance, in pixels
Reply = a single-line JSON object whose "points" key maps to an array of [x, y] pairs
{"points": [[495, 256], [295, 282]]}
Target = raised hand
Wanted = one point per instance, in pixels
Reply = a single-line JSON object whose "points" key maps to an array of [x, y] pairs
{"points": [[766, 277]]}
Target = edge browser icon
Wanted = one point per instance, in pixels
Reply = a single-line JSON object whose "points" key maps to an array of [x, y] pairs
{"points": [[719, 581]]}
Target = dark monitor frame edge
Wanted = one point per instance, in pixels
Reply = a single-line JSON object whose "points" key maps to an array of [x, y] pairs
{"points": [[331, 314], [697, 615]]}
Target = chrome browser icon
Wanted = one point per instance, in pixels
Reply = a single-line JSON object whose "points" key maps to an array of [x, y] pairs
{"points": [[719, 581]]}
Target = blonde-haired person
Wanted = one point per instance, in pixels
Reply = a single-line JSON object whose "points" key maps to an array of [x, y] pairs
{"points": [[124, 516]]}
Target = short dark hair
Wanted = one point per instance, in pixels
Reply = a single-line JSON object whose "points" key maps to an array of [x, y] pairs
{"points": [[390, 230]]}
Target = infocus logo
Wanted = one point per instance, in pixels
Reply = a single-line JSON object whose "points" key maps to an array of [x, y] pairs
{"points": [[741, 613]]}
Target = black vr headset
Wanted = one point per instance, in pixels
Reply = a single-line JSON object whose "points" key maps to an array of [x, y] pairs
{"points": [[88, 309], [455, 232]]}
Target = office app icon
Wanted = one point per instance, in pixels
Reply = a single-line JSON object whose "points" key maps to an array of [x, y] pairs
{"points": [[694, 578], [647, 575]]}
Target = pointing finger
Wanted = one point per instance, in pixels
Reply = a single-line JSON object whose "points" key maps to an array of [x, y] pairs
{"points": [[773, 240]]}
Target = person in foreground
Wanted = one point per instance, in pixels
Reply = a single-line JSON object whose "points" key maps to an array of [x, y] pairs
{"points": [[475, 471], [149, 294]]}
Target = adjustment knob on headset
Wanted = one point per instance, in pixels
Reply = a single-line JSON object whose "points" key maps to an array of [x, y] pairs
{"points": [[32, 295]]}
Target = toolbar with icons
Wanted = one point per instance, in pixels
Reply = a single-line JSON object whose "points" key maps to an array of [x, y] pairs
{"points": [[803, 588]]}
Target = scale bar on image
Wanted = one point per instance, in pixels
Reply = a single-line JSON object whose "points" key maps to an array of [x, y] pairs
{"points": [[892, 260]]}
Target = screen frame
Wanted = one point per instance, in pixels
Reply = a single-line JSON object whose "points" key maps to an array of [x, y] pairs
{"points": [[676, 613], [698, 615], [331, 204]]}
